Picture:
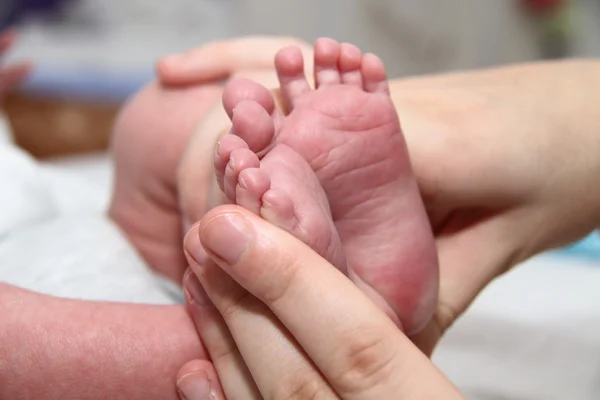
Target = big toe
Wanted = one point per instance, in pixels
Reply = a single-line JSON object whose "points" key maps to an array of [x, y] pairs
{"points": [[254, 125], [240, 89]]}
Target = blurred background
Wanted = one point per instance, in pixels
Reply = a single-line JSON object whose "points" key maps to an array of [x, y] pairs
{"points": [[99, 52], [90, 55]]}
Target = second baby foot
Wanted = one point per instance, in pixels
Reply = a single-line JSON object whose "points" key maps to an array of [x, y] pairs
{"points": [[281, 187]]}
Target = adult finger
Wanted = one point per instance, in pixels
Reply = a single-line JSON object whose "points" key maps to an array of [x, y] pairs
{"points": [[278, 365], [235, 377], [198, 380], [221, 59], [357, 348]]}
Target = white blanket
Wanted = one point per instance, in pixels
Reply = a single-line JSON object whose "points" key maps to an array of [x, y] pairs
{"points": [[56, 239], [533, 334]]}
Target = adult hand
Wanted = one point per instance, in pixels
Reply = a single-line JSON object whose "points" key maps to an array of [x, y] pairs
{"points": [[12, 75], [505, 173], [225, 58], [287, 324]]}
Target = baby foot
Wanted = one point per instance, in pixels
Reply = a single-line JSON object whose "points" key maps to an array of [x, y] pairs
{"points": [[348, 131], [281, 187]]}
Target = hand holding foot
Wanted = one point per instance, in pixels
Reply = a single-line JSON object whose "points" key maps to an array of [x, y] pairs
{"points": [[348, 132], [280, 322]]}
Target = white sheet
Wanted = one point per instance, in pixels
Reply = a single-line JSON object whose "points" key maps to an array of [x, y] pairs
{"points": [[533, 334], [55, 237]]}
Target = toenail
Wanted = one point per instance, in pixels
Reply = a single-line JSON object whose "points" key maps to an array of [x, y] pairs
{"points": [[230, 164], [227, 236], [242, 182]]}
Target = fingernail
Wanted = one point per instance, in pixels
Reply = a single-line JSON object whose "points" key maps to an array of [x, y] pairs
{"points": [[193, 290], [196, 255], [193, 250], [194, 386], [227, 236]]}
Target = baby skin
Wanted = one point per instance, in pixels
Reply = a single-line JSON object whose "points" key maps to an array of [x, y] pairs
{"points": [[335, 173]]}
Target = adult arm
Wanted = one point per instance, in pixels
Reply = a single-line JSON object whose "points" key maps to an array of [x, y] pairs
{"points": [[506, 160]]}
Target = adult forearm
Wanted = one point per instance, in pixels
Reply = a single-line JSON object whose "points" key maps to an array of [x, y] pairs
{"points": [[553, 106], [64, 349]]}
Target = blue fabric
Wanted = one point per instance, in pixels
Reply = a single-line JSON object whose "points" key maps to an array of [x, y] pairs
{"points": [[588, 248], [11, 11], [87, 84]]}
